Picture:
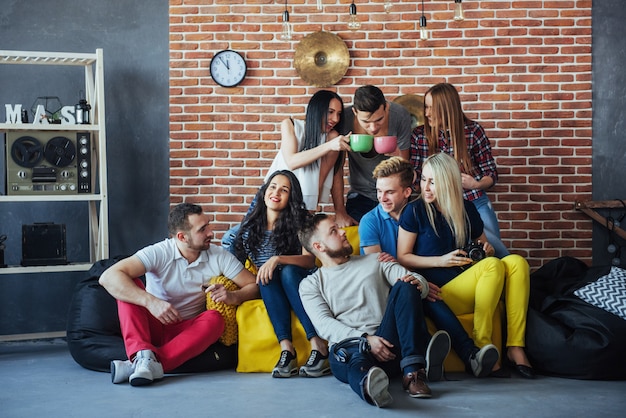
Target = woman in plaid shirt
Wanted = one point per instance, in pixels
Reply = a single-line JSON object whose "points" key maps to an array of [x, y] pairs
{"points": [[447, 129]]}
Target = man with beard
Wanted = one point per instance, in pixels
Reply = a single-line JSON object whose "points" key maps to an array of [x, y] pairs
{"points": [[370, 312], [166, 323]]}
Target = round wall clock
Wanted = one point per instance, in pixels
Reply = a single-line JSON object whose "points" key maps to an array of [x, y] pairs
{"points": [[228, 68]]}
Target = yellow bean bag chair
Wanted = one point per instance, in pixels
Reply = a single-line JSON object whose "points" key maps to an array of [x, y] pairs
{"points": [[258, 349], [453, 363]]}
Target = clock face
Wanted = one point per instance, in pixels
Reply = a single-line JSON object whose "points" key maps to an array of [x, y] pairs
{"points": [[228, 68]]}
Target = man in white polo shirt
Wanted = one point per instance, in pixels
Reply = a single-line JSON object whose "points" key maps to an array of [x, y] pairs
{"points": [[166, 323]]}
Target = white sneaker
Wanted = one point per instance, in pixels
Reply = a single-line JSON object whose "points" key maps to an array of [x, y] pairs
{"points": [[147, 369], [483, 360], [121, 370], [436, 353], [376, 386]]}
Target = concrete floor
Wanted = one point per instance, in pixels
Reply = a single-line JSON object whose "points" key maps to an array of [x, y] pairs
{"points": [[40, 378]]}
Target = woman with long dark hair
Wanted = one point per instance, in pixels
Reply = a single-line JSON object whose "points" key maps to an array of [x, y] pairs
{"points": [[269, 238], [313, 150]]}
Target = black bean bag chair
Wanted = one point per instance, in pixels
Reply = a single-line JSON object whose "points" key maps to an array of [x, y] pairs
{"points": [[94, 337], [566, 336]]}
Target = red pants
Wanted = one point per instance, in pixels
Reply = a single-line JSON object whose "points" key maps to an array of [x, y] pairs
{"points": [[172, 344]]}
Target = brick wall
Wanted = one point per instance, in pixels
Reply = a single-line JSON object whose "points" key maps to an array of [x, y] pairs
{"points": [[523, 69]]}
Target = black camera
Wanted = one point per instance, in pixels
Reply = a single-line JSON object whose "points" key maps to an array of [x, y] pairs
{"points": [[475, 251]]}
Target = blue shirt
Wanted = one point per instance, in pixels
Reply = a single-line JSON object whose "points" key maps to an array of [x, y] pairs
{"points": [[414, 218], [377, 227]]}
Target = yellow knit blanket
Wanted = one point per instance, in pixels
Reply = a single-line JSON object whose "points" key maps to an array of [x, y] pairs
{"points": [[229, 312]]}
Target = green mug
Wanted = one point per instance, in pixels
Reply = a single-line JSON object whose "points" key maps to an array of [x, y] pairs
{"points": [[361, 142]]}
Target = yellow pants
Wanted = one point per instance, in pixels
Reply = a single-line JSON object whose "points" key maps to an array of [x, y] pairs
{"points": [[516, 294], [479, 289]]}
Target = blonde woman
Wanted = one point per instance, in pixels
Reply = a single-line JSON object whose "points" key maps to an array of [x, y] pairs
{"points": [[434, 230]]}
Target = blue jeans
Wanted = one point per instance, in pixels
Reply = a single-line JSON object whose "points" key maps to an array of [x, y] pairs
{"points": [[444, 319], [358, 205], [402, 325], [280, 296], [492, 229]]}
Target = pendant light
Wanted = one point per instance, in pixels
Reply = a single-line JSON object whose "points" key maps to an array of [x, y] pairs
{"points": [[353, 23], [285, 35], [423, 28], [458, 10]]}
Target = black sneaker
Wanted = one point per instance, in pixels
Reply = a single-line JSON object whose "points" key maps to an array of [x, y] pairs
{"points": [[287, 365], [483, 360], [436, 353], [376, 387], [317, 365]]}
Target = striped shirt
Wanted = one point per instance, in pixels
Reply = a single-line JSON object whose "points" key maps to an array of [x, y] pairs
{"points": [[266, 251]]}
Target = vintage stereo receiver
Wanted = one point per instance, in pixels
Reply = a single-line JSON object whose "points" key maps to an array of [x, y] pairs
{"points": [[48, 163]]}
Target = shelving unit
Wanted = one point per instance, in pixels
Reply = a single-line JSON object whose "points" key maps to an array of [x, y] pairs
{"points": [[97, 200]]}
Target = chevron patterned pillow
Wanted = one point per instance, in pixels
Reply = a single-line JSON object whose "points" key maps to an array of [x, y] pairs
{"points": [[608, 292]]}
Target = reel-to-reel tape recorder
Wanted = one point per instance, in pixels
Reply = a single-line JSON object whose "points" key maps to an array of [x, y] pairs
{"points": [[48, 163]]}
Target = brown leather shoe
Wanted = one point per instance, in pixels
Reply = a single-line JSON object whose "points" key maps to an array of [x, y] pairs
{"points": [[415, 384]]}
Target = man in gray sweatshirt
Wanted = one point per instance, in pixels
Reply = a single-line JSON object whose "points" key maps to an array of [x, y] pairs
{"points": [[371, 314]]}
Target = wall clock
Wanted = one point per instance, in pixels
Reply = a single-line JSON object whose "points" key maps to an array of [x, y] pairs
{"points": [[228, 68]]}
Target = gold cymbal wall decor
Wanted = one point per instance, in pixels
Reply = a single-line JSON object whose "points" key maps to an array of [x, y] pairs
{"points": [[523, 72], [321, 59]]}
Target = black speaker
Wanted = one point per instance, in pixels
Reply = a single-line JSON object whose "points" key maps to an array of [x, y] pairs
{"points": [[83, 142], [43, 244]]}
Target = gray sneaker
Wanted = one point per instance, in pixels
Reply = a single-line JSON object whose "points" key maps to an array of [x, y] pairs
{"points": [[376, 387], [436, 353], [147, 369], [287, 365], [121, 370], [483, 360], [317, 365]]}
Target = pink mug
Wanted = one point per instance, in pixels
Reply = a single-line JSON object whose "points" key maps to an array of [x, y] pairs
{"points": [[385, 144]]}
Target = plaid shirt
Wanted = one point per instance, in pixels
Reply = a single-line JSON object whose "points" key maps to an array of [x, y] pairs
{"points": [[477, 144]]}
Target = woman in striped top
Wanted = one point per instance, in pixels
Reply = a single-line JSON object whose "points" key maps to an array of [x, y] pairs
{"points": [[269, 238]]}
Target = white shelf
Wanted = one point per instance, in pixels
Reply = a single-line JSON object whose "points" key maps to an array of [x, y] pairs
{"points": [[97, 202], [33, 336], [48, 127], [47, 58], [81, 197], [46, 269]]}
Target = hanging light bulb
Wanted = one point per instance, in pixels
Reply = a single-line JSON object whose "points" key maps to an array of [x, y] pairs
{"points": [[320, 7], [388, 6], [286, 32], [458, 10], [353, 22], [423, 29]]}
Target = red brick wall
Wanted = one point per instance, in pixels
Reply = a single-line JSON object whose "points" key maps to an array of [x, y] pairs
{"points": [[523, 69]]}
